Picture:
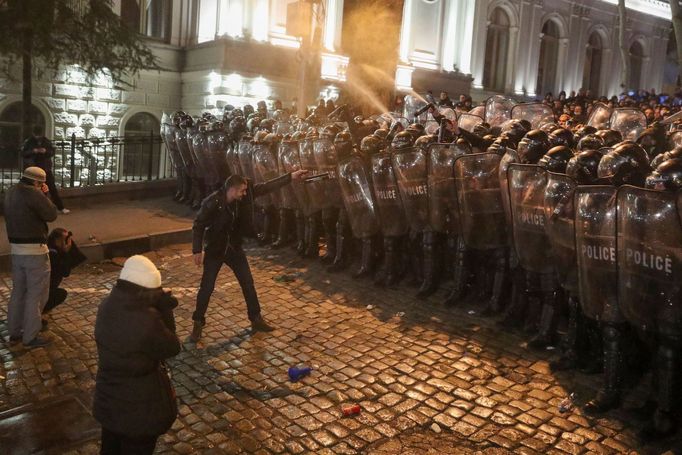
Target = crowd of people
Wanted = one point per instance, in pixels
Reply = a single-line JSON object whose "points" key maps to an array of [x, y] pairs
{"points": [[513, 214]]}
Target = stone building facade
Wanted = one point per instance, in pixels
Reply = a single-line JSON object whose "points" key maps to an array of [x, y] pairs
{"points": [[218, 52]]}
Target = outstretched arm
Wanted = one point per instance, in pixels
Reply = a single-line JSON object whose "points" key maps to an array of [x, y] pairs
{"points": [[261, 189]]}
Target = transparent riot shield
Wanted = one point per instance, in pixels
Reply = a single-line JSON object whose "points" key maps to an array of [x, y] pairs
{"points": [[443, 207], [468, 121], [218, 144], [536, 113], [560, 227], [358, 199], [600, 116], [649, 245], [498, 109], [508, 159], [676, 139], [287, 155], [315, 190], [183, 149], [478, 111], [265, 168], [387, 196], [481, 214], [630, 122], [244, 154], [326, 160], [527, 185], [232, 157], [595, 245], [199, 146], [410, 171], [168, 137]]}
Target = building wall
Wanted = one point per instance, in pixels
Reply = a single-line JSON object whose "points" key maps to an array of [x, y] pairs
{"points": [[449, 36]]}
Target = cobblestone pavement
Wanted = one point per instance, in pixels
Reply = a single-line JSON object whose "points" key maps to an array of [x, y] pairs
{"points": [[483, 390]]}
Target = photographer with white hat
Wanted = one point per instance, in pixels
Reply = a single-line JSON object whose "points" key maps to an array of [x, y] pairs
{"points": [[27, 212]]}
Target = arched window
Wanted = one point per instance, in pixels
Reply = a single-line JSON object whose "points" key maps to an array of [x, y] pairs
{"points": [[549, 54], [142, 149], [151, 18], [10, 133], [636, 60], [496, 50], [593, 59]]}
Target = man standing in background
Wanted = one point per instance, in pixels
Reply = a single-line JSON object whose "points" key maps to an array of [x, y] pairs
{"points": [[38, 151]]}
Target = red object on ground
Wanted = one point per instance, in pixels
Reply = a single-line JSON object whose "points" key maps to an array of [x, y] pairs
{"points": [[351, 410]]}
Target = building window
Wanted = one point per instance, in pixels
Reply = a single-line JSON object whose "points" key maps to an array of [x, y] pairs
{"points": [[549, 55], [593, 59], [151, 18], [10, 133], [636, 60], [496, 51], [141, 148]]}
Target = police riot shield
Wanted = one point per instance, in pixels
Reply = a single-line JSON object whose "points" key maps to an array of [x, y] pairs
{"points": [[448, 113], [168, 136], [478, 111], [183, 149], [218, 144], [265, 168], [410, 170], [676, 139], [358, 199], [199, 148], [326, 161], [412, 105], [527, 183], [315, 189], [443, 208], [232, 158], [288, 161], [630, 122], [595, 246], [391, 214], [536, 113], [283, 128], [508, 158], [468, 121], [560, 227], [600, 116], [649, 246], [431, 127], [245, 162], [498, 109], [481, 213]]}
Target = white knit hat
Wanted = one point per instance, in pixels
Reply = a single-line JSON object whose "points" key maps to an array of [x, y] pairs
{"points": [[141, 271]]}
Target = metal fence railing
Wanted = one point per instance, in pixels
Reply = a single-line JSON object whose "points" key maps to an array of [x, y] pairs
{"points": [[81, 163]]}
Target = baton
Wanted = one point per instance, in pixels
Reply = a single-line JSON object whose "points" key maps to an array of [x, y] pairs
{"points": [[316, 177]]}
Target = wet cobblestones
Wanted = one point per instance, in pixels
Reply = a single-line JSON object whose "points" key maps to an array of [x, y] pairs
{"points": [[485, 391]]}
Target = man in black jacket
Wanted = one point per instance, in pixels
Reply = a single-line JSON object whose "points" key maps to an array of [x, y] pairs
{"points": [[225, 217], [38, 151]]}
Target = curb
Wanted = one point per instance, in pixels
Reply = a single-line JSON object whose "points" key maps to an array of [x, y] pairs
{"points": [[126, 246]]}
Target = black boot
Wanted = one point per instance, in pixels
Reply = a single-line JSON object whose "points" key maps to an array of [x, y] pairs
{"points": [[594, 358], [329, 224], [365, 259], [460, 273], [569, 354], [545, 335], [429, 284], [312, 238], [340, 260], [609, 396], [283, 235], [663, 423], [388, 276], [499, 284], [300, 232], [515, 313]]}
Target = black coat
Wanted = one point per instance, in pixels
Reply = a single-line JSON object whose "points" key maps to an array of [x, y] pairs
{"points": [[42, 160], [135, 332], [214, 227]]}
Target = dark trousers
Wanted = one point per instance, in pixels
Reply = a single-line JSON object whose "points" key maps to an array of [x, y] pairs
{"points": [[56, 297], [236, 260], [54, 194], [119, 444]]}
